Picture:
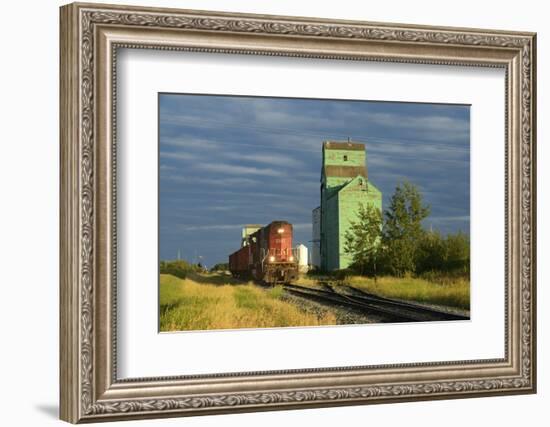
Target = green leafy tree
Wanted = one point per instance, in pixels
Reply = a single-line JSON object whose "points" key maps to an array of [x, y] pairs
{"points": [[363, 238], [431, 252], [403, 230], [450, 254], [457, 253]]}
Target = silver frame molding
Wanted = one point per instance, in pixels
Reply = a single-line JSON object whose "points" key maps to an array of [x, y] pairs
{"points": [[90, 37]]}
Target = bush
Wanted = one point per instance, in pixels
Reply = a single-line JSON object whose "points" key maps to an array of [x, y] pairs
{"points": [[444, 254], [221, 266], [178, 268]]}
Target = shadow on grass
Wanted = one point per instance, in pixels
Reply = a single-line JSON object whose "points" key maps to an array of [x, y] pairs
{"points": [[215, 279], [165, 308]]}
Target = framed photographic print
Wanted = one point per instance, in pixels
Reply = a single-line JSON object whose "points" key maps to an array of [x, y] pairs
{"points": [[266, 212]]}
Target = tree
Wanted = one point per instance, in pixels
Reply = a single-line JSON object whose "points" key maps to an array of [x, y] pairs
{"points": [[458, 252], [363, 239], [450, 254], [431, 254], [403, 232]]}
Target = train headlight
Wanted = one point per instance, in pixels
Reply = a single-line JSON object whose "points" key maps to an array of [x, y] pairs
{"points": [[271, 258], [281, 230], [291, 258]]}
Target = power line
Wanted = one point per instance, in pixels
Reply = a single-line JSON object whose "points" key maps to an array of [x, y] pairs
{"points": [[323, 135], [316, 150]]}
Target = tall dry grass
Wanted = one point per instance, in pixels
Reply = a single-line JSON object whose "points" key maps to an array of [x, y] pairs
{"points": [[450, 292], [440, 289], [204, 302]]}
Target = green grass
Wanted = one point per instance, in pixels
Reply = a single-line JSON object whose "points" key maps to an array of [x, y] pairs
{"points": [[215, 301], [455, 293], [440, 290]]}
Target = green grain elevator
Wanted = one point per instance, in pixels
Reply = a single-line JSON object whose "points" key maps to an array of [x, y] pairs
{"points": [[344, 188]]}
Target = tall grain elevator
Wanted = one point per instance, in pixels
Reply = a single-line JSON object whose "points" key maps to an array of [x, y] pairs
{"points": [[344, 188]]}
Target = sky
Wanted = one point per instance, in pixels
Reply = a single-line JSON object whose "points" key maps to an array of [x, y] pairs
{"points": [[226, 161]]}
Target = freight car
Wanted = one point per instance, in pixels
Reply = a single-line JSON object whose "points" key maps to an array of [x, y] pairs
{"points": [[266, 255]]}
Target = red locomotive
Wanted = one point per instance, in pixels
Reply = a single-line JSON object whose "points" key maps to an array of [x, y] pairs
{"points": [[266, 255]]}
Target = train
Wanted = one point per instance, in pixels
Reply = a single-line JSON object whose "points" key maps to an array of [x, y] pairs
{"points": [[266, 255]]}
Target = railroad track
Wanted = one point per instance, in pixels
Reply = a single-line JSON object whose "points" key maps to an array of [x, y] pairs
{"points": [[393, 310]]}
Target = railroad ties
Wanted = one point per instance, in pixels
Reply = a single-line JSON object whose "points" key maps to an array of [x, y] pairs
{"points": [[393, 310]]}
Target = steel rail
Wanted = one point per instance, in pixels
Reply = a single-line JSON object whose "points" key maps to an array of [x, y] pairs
{"points": [[395, 310]]}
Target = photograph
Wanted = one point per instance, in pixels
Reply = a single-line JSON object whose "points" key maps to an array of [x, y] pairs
{"points": [[300, 212]]}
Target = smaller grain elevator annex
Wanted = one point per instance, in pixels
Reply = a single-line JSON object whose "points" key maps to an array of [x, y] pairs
{"points": [[344, 188]]}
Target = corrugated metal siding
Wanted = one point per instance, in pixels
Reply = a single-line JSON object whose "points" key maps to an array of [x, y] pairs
{"points": [[332, 234], [316, 233], [357, 193], [345, 171], [344, 189]]}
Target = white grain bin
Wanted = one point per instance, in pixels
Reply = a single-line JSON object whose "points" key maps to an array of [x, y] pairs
{"points": [[302, 254]]}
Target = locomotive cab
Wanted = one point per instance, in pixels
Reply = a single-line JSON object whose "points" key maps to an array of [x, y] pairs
{"points": [[279, 261], [267, 255]]}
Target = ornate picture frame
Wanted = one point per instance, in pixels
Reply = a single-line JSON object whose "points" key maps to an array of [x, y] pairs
{"points": [[90, 37]]}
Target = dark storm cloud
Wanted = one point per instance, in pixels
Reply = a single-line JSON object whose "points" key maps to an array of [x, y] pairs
{"points": [[229, 161]]}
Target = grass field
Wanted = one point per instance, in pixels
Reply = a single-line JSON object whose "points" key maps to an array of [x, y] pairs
{"points": [[215, 301], [452, 292]]}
